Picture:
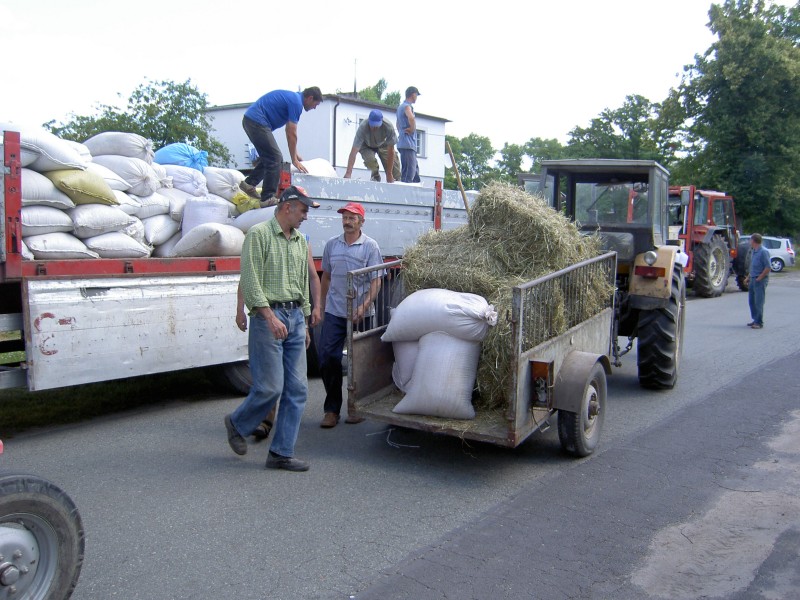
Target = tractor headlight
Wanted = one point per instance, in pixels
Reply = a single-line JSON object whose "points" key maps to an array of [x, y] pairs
{"points": [[650, 257]]}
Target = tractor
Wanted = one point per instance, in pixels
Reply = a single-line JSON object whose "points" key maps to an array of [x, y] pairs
{"points": [[624, 202], [705, 223]]}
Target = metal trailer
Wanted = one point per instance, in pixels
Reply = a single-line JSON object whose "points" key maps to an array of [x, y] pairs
{"points": [[565, 373], [91, 320]]}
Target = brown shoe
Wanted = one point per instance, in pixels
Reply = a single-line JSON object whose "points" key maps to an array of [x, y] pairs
{"points": [[329, 420], [250, 190], [351, 420]]}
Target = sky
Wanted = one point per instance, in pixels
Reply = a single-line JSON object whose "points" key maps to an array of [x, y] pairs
{"points": [[504, 72]]}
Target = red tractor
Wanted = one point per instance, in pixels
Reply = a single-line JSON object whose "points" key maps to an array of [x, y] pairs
{"points": [[705, 222]]}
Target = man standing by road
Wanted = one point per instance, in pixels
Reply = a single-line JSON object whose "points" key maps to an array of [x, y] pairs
{"points": [[275, 285], [407, 141], [375, 136], [270, 112], [758, 280], [346, 252]]}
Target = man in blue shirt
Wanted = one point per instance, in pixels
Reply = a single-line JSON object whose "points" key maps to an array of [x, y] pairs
{"points": [[270, 112], [758, 280], [349, 251], [407, 139]]}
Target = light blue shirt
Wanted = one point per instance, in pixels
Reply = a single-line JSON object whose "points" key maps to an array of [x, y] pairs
{"points": [[759, 261], [405, 140], [337, 259]]}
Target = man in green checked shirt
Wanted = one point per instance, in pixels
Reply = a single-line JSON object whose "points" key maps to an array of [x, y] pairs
{"points": [[274, 282]]}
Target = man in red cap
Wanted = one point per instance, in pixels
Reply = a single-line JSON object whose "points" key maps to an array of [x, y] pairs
{"points": [[346, 252]]}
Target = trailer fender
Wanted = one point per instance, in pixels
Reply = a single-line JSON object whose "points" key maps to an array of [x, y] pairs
{"points": [[572, 377]]}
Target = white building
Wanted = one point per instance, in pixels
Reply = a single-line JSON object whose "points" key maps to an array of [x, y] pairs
{"points": [[328, 131]]}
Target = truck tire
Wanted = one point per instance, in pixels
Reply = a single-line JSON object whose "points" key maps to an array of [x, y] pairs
{"points": [[660, 342], [579, 433], [712, 265], [41, 539]]}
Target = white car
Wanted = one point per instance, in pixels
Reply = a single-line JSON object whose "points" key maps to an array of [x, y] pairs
{"points": [[780, 251]]}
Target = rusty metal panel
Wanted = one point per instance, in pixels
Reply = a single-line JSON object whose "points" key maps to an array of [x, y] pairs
{"points": [[87, 330], [369, 364]]}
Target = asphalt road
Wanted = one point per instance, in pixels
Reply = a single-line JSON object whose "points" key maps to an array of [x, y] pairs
{"points": [[692, 493]]}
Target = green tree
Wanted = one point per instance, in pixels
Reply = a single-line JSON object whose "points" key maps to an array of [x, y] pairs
{"points": [[378, 93], [473, 155], [539, 149], [509, 165], [164, 112], [742, 98], [630, 131]]}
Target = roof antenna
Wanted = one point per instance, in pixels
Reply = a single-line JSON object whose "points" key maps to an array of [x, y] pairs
{"points": [[355, 86]]}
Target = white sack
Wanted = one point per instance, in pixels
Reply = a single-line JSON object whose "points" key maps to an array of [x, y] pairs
{"points": [[26, 252], [253, 217], [127, 203], [116, 245], [204, 210], [167, 249], [320, 167], [164, 179], [39, 190], [52, 153], [82, 151], [443, 379], [114, 181], [177, 201], [465, 316], [135, 230], [60, 245], [131, 145], [159, 229], [187, 179], [96, 219], [223, 182], [233, 212], [210, 239], [405, 357], [154, 204], [37, 220], [139, 175], [26, 156]]}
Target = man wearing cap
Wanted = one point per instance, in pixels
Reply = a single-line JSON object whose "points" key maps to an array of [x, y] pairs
{"points": [[375, 136], [407, 140], [275, 285], [346, 252], [270, 112]]}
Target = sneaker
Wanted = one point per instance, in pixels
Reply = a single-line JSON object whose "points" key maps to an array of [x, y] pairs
{"points": [[237, 443], [329, 420], [250, 190], [287, 463]]}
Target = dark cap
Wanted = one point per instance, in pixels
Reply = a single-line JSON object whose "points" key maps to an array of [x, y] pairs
{"points": [[295, 192], [412, 90]]}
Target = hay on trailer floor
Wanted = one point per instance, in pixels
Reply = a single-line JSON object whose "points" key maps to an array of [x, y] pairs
{"points": [[512, 237]]}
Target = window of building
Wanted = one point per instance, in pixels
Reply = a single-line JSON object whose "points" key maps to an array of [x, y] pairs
{"points": [[422, 143]]}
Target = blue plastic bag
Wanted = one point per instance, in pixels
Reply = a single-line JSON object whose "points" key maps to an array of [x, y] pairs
{"points": [[183, 155]]}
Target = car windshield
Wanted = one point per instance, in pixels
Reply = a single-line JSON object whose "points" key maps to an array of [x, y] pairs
{"points": [[610, 204]]}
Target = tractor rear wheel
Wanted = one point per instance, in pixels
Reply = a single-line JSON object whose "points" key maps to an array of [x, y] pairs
{"points": [[712, 265], [660, 340]]}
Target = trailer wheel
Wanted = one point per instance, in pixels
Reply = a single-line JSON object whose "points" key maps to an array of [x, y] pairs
{"points": [[712, 267], [660, 341], [41, 539], [579, 433]]}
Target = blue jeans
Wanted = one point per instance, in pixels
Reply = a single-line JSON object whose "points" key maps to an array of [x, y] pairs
{"points": [[409, 167], [278, 369], [268, 167], [757, 294]]}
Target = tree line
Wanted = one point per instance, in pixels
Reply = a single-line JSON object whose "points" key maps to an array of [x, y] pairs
{"points": [[732, 124]]}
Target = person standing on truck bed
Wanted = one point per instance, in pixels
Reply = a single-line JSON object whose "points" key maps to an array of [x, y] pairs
{"points": [[270, 112], [407, 141], [346, 252], [275, 284], [262, 431], [375, 137], [758, 280]]}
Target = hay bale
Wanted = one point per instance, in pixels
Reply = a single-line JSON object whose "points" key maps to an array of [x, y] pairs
{"points": [[512, 237]]}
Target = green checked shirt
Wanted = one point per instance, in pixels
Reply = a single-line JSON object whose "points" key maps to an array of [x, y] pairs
{"points": [[273, 268]]}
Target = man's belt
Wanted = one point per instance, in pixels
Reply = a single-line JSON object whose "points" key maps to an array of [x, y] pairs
{"points": [[286, 305]]}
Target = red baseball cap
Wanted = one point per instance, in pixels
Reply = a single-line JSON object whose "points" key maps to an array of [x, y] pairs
{"points": [[353, 207]]}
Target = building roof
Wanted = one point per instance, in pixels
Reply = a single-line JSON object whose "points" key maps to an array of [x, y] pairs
{"points": [[347, 98]]}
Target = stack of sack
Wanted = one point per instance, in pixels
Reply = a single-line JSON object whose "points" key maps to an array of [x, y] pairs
{"points": [[436, 336]]}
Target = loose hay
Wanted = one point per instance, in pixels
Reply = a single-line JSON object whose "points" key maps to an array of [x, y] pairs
{"points": [[512, 237]]}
